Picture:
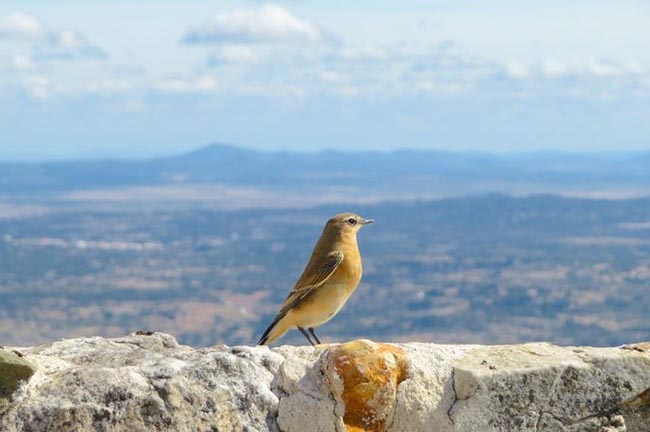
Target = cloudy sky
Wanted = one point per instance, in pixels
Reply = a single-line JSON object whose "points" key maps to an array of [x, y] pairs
{"points": [[90, 78]]}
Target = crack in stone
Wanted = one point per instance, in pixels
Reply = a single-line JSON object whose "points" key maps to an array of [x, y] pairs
{"points": [[453, 388], [276, 387], [642, 398], [334, 403], [544, 408], [392, 417], [267, 363], [566, 421], [322, 362]]}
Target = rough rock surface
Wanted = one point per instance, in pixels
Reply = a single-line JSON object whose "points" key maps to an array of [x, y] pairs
{"points": [[146, 382]]}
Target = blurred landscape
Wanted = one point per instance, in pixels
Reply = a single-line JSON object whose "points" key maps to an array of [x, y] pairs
{"points": [[468, 247]]}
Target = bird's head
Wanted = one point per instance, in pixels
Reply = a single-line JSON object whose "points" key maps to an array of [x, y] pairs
{"points": [[347, 223]]}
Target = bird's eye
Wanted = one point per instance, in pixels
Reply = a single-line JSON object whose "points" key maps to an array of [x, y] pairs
{"points": [[352, 221]]}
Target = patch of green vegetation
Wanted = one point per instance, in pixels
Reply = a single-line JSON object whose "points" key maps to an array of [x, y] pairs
{"points": [[13, 370]]}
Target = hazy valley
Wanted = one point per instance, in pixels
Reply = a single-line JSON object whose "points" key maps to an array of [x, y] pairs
{"points": [[205, 247]]}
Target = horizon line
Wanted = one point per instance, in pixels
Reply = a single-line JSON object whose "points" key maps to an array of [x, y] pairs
{"points": [[329, 150]]}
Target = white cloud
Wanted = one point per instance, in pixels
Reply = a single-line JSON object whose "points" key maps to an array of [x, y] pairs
{"points": [[441, 89], [553, 69], [333, 77], [517, 71], [106, 86], [600, 68], [69, 39], [269, 23], [68, 45], [590, 68], [444, 69], [21, 26], [236, 54], [23, 62], [608, 68], [48, 44], [202, 84], [19, 62], [348, 91], [41, 87], [364, 52]]}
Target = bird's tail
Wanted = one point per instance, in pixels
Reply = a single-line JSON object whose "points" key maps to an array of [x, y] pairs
{"points": [[276, 330]]}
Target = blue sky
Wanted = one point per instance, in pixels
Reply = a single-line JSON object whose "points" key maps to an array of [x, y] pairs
{"points": [[122, 78]]}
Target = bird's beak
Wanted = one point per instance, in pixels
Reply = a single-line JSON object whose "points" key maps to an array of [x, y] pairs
{"points": [[367, 221]]}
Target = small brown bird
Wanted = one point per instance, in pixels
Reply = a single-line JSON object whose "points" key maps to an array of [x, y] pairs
{"points": [[330, 277]]}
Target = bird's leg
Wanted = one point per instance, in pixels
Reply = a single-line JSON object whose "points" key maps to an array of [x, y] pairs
{"points": [[304, 332], [313, 333]]}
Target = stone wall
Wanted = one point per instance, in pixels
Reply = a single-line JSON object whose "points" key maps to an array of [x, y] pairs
{"points": [[148, 382]]}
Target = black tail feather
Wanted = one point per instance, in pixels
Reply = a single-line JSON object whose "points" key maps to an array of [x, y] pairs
{"points": [[265, 335]]}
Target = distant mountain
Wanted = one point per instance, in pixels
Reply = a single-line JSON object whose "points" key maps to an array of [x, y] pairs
{"points": [[220, 163]]}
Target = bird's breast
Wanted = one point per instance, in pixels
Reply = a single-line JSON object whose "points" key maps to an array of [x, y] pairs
{"points": [[350, 271], [349, 274]]}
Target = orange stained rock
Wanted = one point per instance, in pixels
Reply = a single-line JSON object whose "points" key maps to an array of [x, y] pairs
{"points": [[364, 376]]}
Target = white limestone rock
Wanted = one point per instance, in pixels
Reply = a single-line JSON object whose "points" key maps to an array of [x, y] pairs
{"points": [[145, 382], [544, 387]]}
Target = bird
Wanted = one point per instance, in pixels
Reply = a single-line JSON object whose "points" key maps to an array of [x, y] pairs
{"points": [[332, 274]]}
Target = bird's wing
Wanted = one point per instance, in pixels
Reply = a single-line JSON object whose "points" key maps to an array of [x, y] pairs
{"points": [[315, 275]]}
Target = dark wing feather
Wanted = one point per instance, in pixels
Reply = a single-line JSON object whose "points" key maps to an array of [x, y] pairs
{"points": [[315, 275]]}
